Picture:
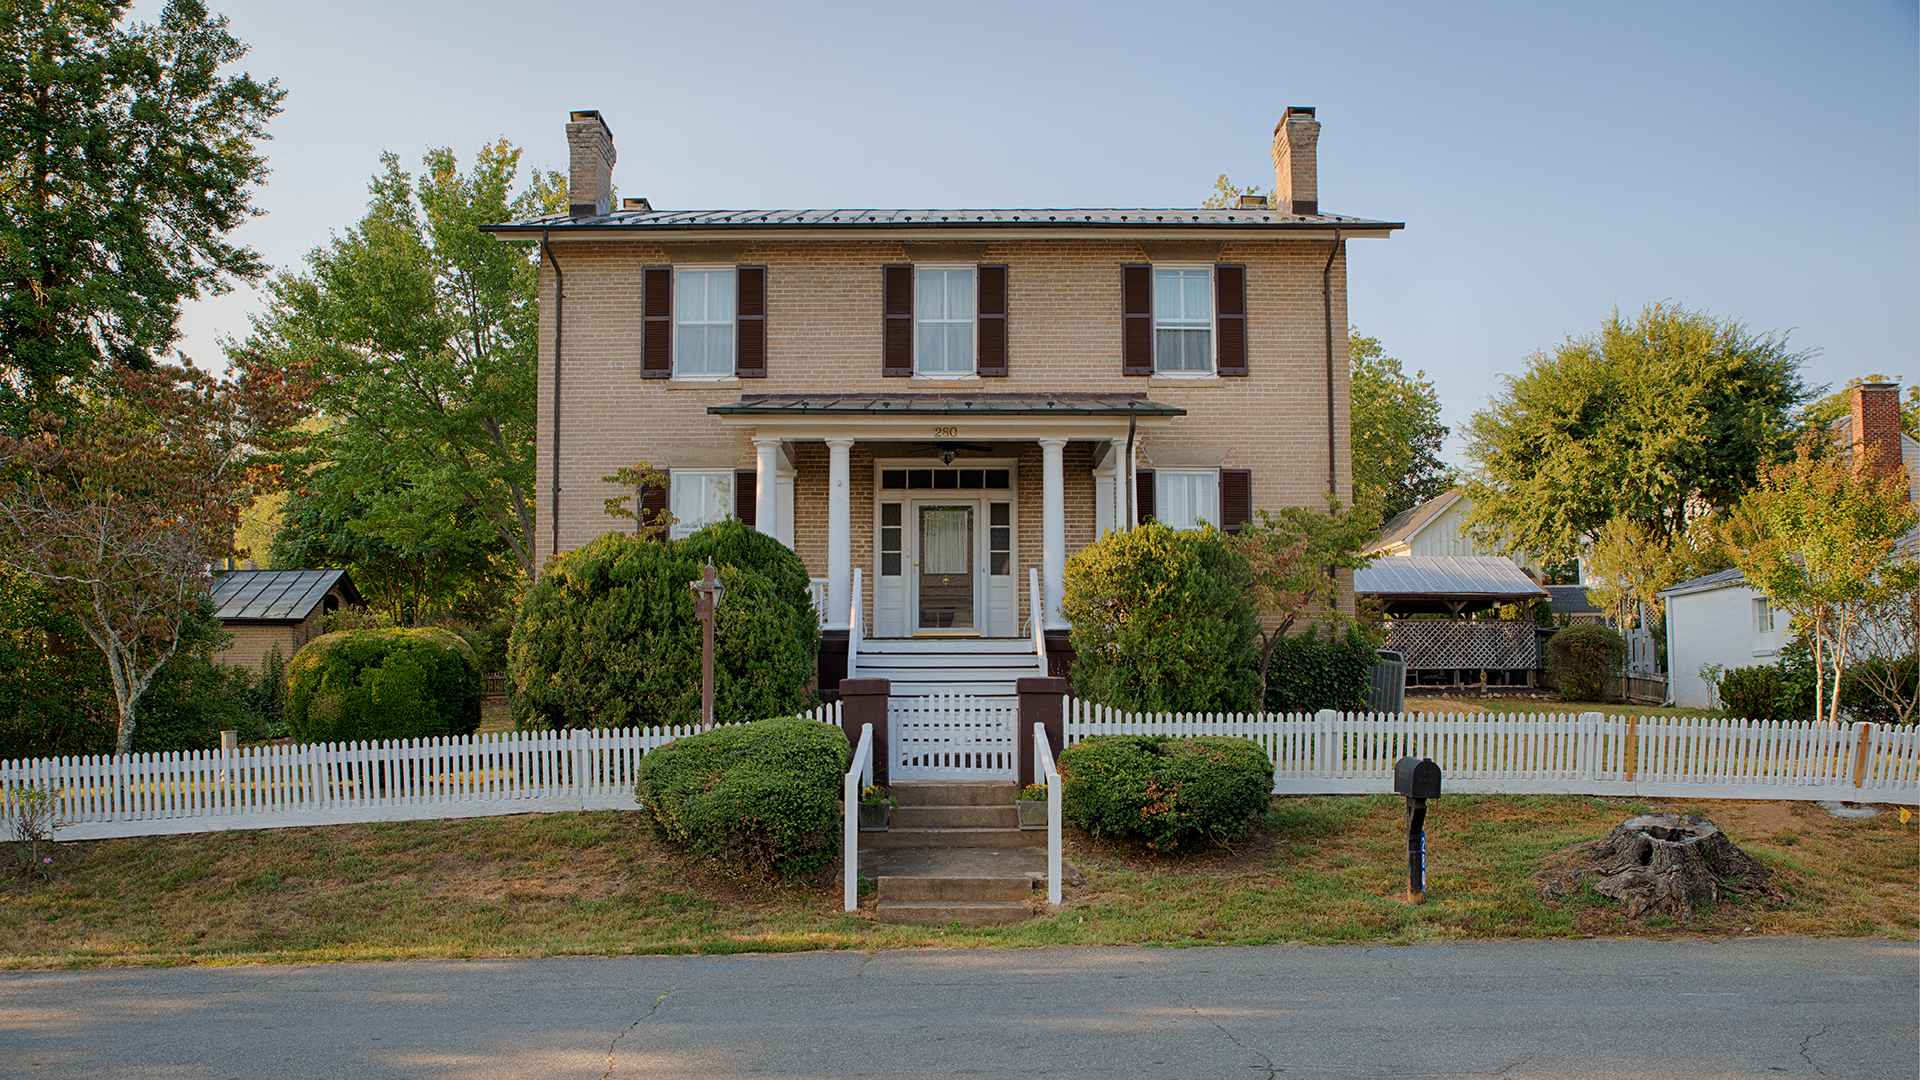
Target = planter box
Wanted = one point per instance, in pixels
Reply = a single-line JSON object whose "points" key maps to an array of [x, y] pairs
{"points": [[1033, 813], [875, 818]]}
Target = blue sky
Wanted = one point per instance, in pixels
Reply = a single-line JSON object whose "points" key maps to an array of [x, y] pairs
{"points": [[1552, 161]]}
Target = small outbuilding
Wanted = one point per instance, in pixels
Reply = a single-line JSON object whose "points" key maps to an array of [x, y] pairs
{"points": [[1456, 649], [288, 608]]}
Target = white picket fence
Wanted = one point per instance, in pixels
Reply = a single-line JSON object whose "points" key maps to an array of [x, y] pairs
{"points": [[955, 737], [267, 787], [1587, 754]]}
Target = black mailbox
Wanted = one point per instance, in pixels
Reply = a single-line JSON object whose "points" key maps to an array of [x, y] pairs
{"points": [[1416, 778]]}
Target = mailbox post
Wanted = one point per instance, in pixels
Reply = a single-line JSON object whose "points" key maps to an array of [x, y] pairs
{"points": [[1419, 780]]}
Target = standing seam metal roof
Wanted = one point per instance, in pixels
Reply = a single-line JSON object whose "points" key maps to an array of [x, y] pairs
{"points": [[273, 595], [855, 219]]}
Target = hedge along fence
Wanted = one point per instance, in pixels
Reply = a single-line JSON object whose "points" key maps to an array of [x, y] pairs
{"points": [[1587, 754], [272, 787]]}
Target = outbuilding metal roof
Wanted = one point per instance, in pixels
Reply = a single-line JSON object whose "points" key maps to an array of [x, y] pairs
{"points": [[264, 596], [944, 405], [1719, 579], [643, 221], [1439, 583], [1572, 600]]}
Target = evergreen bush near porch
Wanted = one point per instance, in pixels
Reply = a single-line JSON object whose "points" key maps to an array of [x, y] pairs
{"points": [[1164, 791], [607, 636], [758, 798], [1162, 622]]}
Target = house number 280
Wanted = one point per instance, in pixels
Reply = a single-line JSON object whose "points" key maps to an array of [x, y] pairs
{"points": [[946, 432]]}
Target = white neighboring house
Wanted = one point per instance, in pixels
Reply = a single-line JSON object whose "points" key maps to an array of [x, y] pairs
{"points": [[1720, 619], [1433, 529]]}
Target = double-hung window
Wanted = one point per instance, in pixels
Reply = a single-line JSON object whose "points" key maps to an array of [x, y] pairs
{"points": [[1762, 616], [1186, 498], [1182, 320], [701, 497], [943, 320], [703, 322]]}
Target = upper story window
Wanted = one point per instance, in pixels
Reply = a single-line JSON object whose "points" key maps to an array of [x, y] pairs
{"points": [[701, 497], [943, 302], [1186, 498], [1182, 320], [703, 323], [1762, 616]]}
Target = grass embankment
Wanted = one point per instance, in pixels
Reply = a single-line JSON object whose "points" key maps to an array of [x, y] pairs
{"points": [[1319, 869]]}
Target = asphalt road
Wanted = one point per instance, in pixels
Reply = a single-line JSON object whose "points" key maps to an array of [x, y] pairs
{"points": [[1773, 1007]]}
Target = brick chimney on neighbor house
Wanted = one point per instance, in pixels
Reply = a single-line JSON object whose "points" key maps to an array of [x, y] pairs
{"points": [[1876, 426], [1296, 185], [590, 171]]}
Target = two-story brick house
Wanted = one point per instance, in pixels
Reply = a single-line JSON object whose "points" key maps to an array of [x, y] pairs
{"points": [[941, 399]]}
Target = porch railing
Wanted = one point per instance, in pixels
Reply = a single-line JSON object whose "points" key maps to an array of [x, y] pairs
{"points": [[856, 629], [1048, 773], [859, 776], [1036, 618], [818, 587]]}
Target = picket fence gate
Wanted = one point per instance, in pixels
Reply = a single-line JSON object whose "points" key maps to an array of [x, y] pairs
{"points": [[266, 787]]}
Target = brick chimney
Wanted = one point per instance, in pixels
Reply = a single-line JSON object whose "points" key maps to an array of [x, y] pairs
{"points": [[1296, 185], [590, 171], [1876, 425]]}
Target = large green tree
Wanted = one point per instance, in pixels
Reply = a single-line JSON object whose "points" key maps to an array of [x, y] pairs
{"points": [[1657, 419], [127, 156], [1397, 431], [423, 328]]}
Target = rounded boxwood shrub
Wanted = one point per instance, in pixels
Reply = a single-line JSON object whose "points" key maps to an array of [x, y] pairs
{"points": [[607, 636], [1165, 791], [759, 798], [1751, 693], [1583, 658], [354, 685]]}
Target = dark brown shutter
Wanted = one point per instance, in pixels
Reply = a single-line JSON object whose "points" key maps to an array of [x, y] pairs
{"points": [[1142, 495], [990, 316], [1136, 321], [746, 496], [750, 322], [1230, 318], [656, 323], [896, 344], [653, 507], [1236, 498]]}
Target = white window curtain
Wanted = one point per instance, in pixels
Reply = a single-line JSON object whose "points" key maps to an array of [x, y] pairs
{"points": [[944, 532], [703, 323], [1182, 320], [700, 498], [943, 303], [1183, 500]]}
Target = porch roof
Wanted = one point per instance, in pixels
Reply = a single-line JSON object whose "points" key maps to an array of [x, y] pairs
{"points": [[1444, 584], [1004, 416]]}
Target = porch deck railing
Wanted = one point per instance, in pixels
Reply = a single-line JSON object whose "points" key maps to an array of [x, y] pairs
{"points": [[856, 629], [1048, 773], [1036, 609], [859, 777]]}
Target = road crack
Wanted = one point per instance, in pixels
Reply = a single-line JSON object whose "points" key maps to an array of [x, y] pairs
{"points": [[1272, 1069], [644, 1017], [1809, 1057]]}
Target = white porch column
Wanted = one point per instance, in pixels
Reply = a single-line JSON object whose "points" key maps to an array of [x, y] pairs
{"points": [[839, 532], [766, 496], [1122, 476], [1103, 485], [1053, 529]]}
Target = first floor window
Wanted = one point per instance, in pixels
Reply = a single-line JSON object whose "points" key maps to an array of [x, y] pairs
{"points": [[1184, 498], [703, 325], [700, 498], [943, 302], [1182, 320]]}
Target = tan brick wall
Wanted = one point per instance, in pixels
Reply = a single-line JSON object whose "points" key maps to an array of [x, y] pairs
{"points": [[823, 335]]}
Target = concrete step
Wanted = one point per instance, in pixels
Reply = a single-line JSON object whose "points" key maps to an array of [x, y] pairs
{"points": [[897, 837], [942, 913], [954, 793], [956, 817], [971, 890]]}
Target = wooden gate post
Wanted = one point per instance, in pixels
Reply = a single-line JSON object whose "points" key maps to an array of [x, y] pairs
{"points": [[1042, 701], [864, 701]]}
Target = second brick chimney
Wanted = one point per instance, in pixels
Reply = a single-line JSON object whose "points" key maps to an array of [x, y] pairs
{"points": [[590, 172], [1296, 184], [1876, 426]]}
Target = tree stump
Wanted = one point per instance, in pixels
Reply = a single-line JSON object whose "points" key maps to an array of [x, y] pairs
{"points": [[1668, 863]]}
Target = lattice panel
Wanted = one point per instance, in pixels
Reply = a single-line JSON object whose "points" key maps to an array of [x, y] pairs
{"points": [[1446, 645]]}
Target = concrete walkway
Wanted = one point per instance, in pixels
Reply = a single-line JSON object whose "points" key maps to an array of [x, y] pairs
{"points": [[1592, 1010]]}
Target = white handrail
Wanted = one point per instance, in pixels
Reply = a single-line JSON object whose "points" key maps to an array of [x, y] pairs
{"points": [[1037, 618], [1049, 773], [859, 776], [856, 629]]}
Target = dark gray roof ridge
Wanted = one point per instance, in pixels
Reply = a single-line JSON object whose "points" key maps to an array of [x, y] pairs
{"points": [[1064, 217]]}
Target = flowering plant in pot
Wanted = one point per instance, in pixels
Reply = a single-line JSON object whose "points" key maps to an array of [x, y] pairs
{"points": [[1032, 804], [876, 808]]}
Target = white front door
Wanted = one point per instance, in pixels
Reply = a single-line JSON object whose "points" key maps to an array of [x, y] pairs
{"points": [[944, 560]]}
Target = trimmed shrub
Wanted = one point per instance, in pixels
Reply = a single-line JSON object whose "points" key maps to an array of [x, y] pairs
{"points": [[1309, 673], [1752, 693], [383, 684], [1164, 791], [607, 637], [1162, 621], [1583, 658], [759, 798]]}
